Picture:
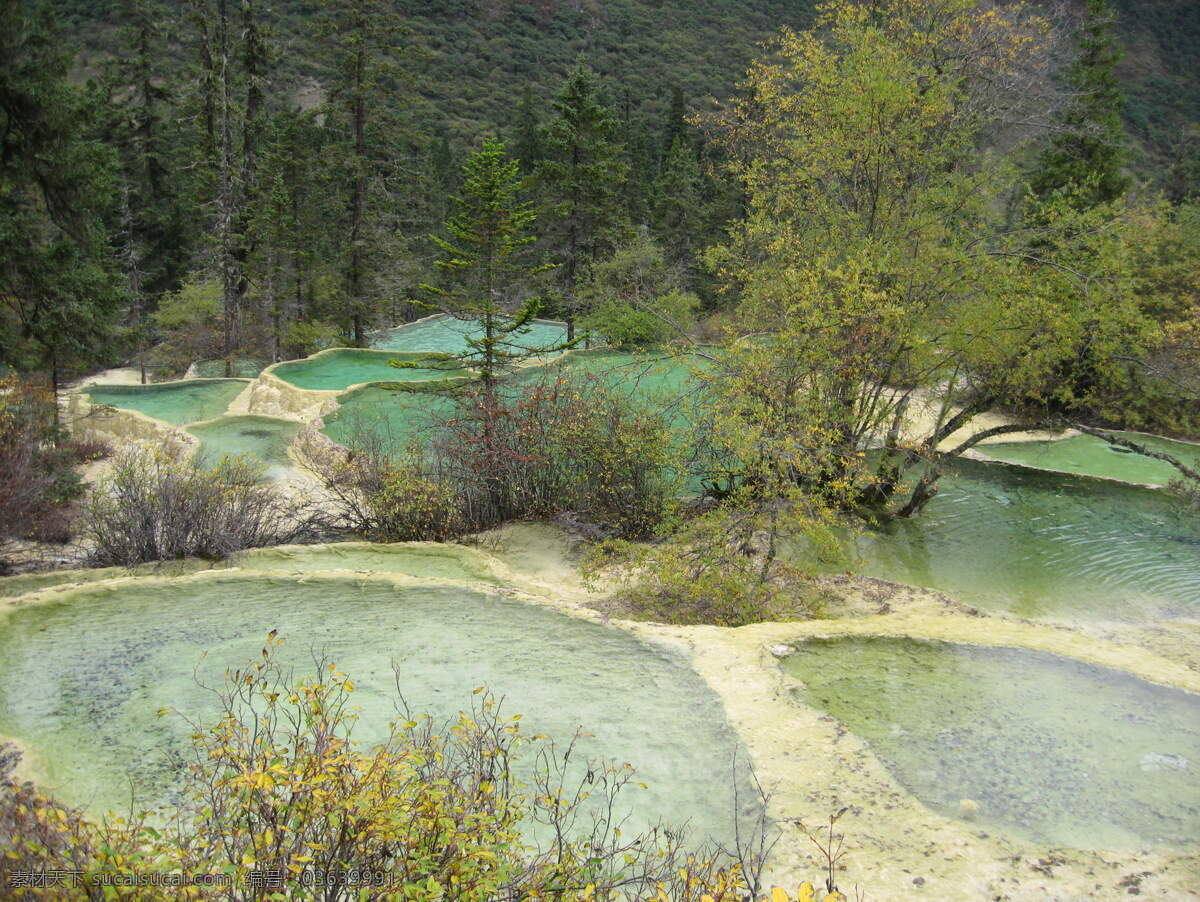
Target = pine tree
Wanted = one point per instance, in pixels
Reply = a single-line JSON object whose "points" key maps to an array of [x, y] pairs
{"points": [[489, 266], [274, 229], [675, 124], [678, 211], [1087, 157], [59, 286], [360, 33], [581, 179], [528, 142], [233, 63], [142, 128]]}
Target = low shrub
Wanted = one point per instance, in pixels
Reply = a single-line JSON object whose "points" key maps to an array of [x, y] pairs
{"points": [[565, 443], [154, 506], [279, 791], [534, 449], [732, 564], [409, 506], [38, 478]]}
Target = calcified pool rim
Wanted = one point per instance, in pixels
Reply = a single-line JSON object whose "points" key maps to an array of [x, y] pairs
{"points": [[813, 767], [1186, 450], [1029, 743], [400, 601]]}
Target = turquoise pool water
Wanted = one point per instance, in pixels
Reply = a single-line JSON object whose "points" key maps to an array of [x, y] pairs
{"points": [[339, 369], [1090, 456], [178, 403], [1046, 545], [1043, 747], [265, 439], [448, 334], [81, 680], [397, 417]]}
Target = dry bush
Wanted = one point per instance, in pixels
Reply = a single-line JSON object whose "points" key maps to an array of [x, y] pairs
{"points": [[153, 506], [532, 450], [38, 481]]}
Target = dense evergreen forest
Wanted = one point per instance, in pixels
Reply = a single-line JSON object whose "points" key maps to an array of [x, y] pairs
{"points": [[244, 184], [269, 176]]}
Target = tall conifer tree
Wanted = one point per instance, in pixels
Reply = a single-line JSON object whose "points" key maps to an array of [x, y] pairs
{"points": [[488, 262], [1087, 156], [581, 179], [59, 288]]}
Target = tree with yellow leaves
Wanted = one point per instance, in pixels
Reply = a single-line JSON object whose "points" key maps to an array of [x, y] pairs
{"points": [[875, 269]]}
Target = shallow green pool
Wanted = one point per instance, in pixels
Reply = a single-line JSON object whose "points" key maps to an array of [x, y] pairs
{"points": [[81, 680], [397, 417], [265, 439], [1046, 748], [1091, 456], [654, 376], [449, 335], [179, 403], [339, 369], [243, 367], [1046, 545], [412, 559]]}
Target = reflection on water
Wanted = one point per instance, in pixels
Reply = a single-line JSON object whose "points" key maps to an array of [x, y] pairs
{"points": [[1046, 545], [1043, 747]]}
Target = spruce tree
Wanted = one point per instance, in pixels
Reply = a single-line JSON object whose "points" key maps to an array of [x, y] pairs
{"points": [[489, 267], [1087, 156], [142, 127], [678, 213], [527, 145], [361, 35], [581, 179], [59, 286]]}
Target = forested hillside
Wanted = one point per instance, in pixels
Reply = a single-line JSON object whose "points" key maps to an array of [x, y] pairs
{"points": [[468, 62], [1161, 75], [263, 181]]}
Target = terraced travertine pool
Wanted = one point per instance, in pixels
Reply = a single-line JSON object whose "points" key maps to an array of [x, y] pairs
{"points": [[179, 403], [1046, 545], [1040, 746], [397, 417], [265, 439], [340, 368], [82, 677], [1090, 456], [449, 334]]}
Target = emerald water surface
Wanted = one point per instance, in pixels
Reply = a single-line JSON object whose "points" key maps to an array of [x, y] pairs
{"points": [[81, 681], [1091, 456], [339, 369], [1046, 545], [449, 334], [397, 417], [264, 439], [412, 559], [1047, 748], [179, 403], [243, 367]]}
